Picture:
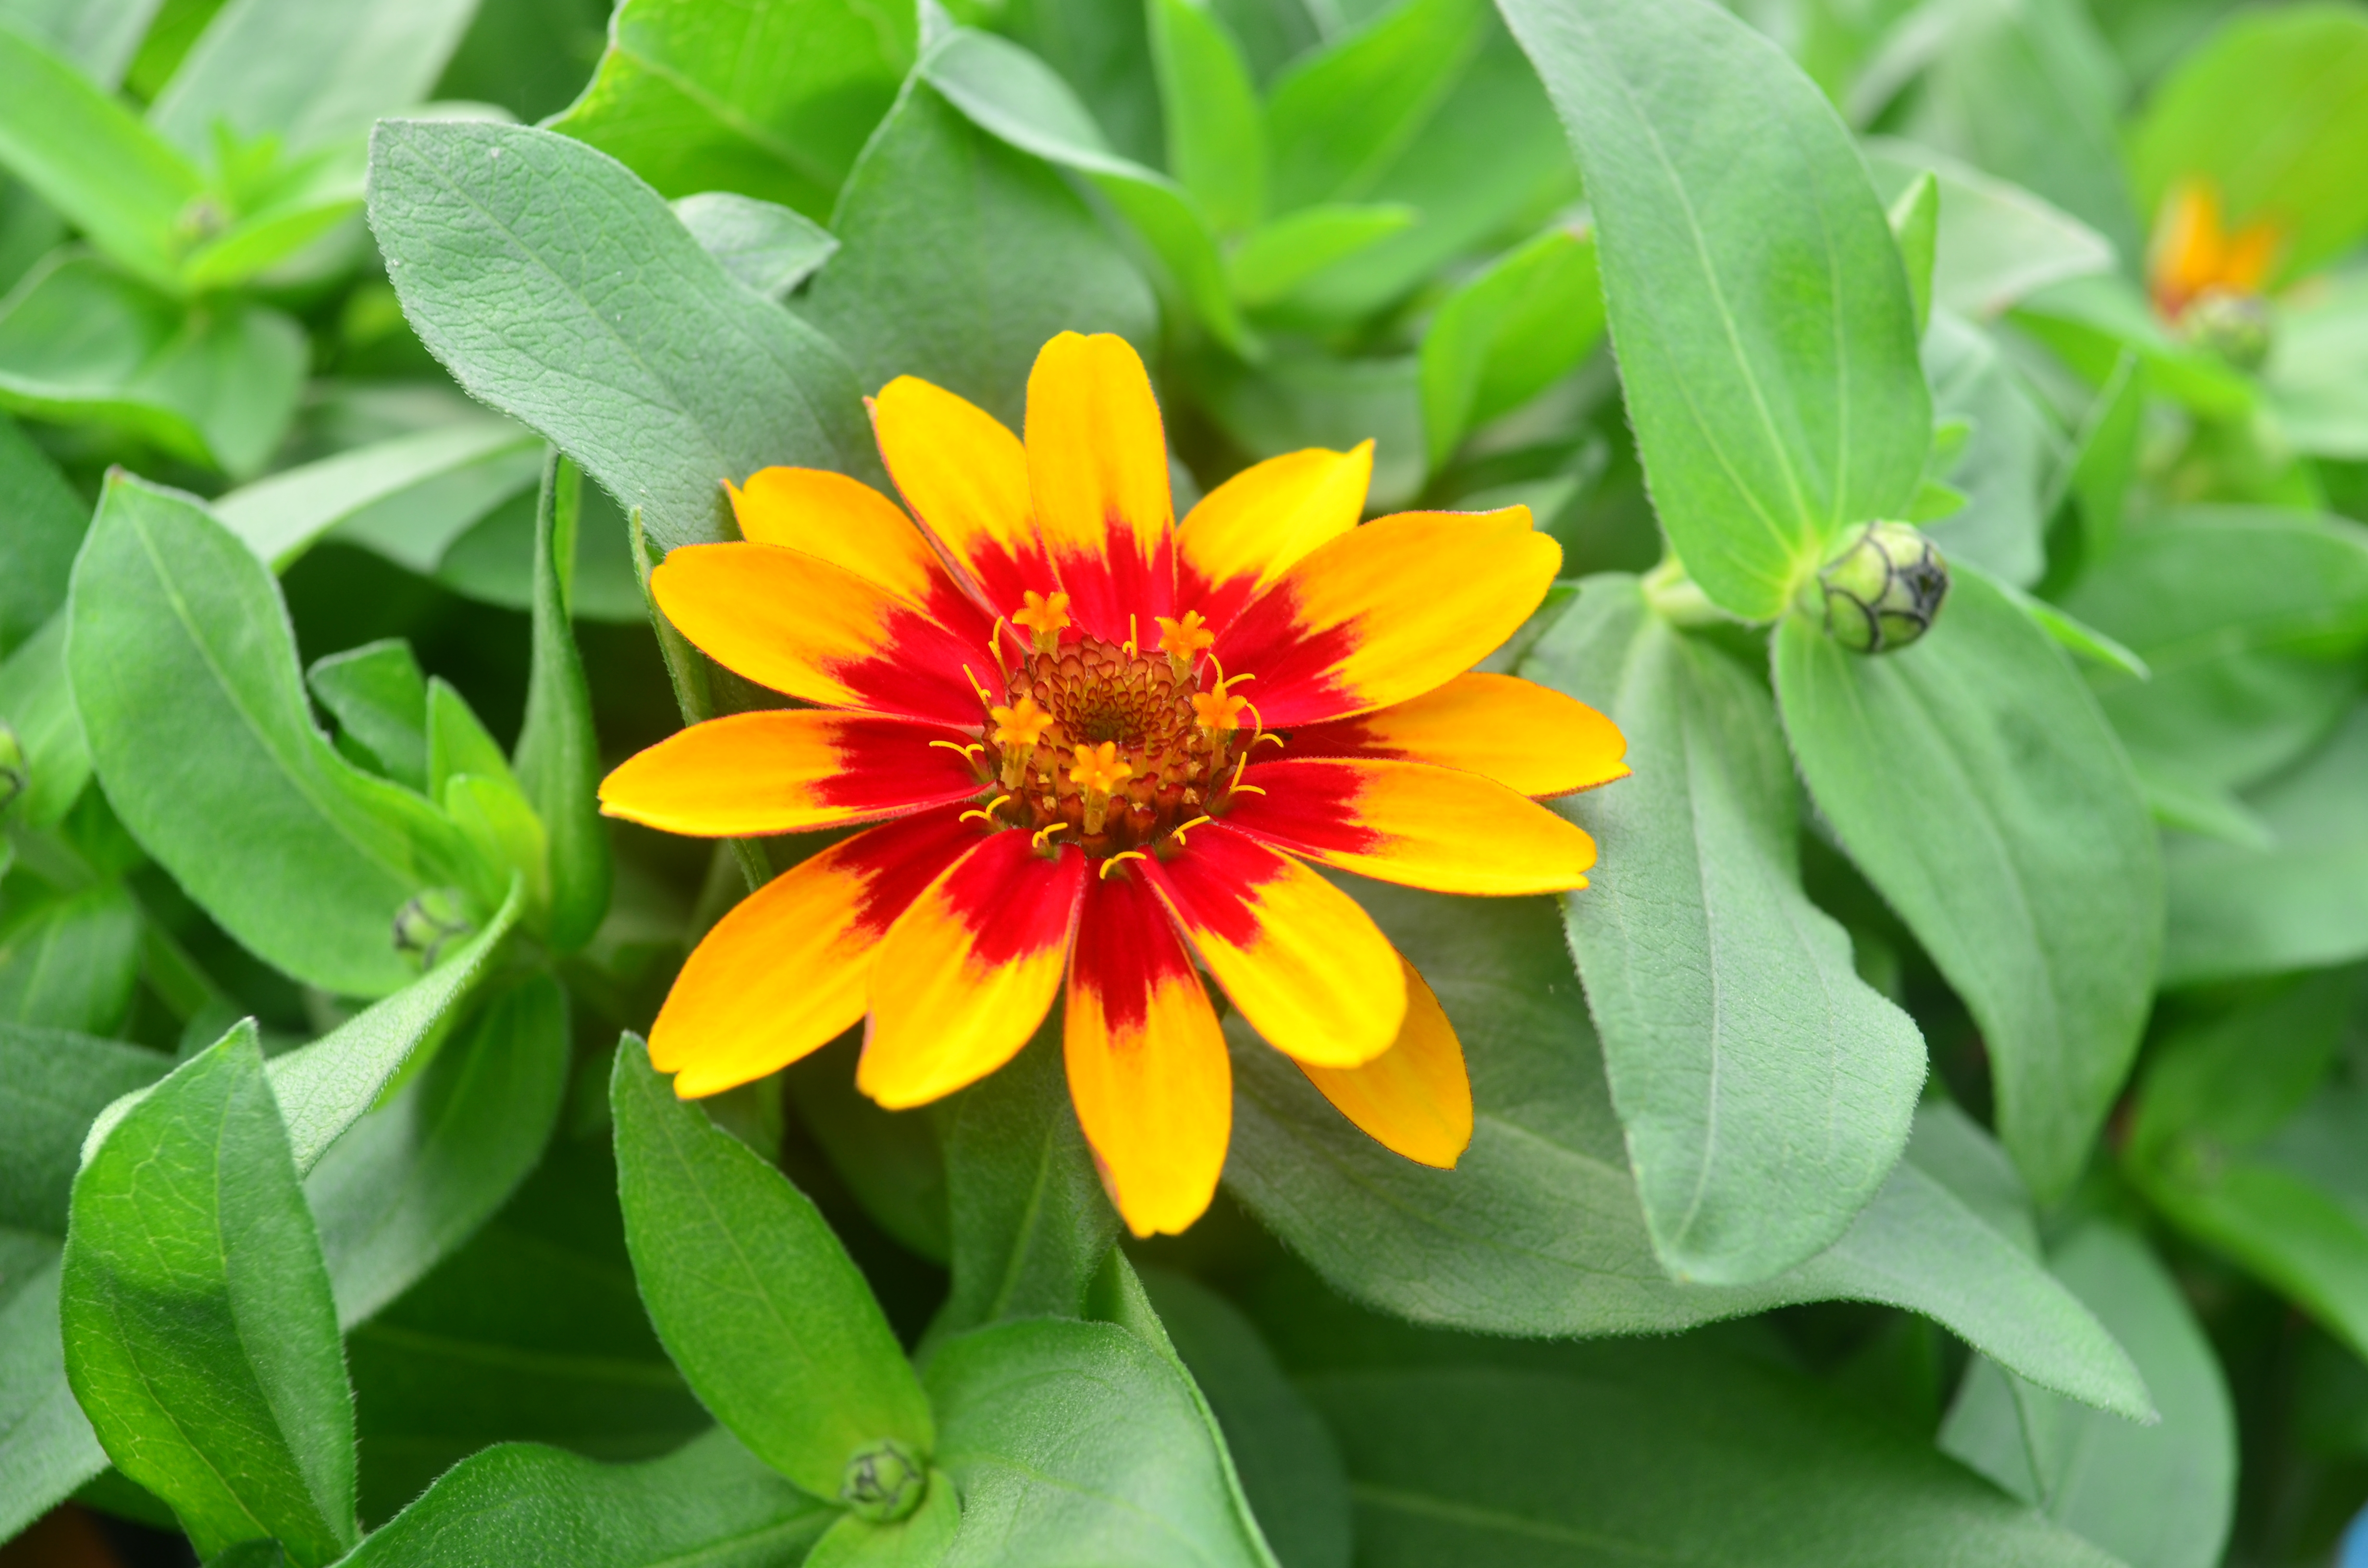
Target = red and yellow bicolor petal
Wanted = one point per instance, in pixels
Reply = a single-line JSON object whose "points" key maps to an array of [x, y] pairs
{"points": [[850, 525], [969, 970], [1410, 823], [1414, 1098], [1307, 967], [1248, 531], [784, 771], [786, 971], [1388, 612], [965, 476], [801, 625], [1146, 1061], [1097, 470], [1529, 738]]}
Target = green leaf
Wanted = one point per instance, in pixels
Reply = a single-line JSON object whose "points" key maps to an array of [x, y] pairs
{"points": [[407, 497], [1012, 94], [1538, 1231], [2272, 109], [889, 1159], [1289, 1467], [2164, 1495], [214, 384], [36, 702], [515, 1505], [1216, 132], [1994, 242], [1339, 116], [2316, 379], [2040, 892], [1300, 397], [199, 1332], [2105, 455], [1766, 335], [752, 1295], [558, 754], [771, 99], [919, 1541], [558, 288], [961, 257], [99, 36], [2082, 640], [2239, 909], [88, 156], [53, 1082], [2252, 623], [71, 962], [1031, 1223], [47, 521], [47, 1448], [1273, 259], [325, 1087], [1765, 1090], [310, 74], [1079, 1442], [1916, 223], [413, 1180], [1609, 1454], [2002, 468], [768, 248], [379, 697], [185, 672], [1506, 335]]}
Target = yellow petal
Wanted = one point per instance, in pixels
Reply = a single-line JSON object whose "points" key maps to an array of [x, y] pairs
{"points": [[1529, 738], [1415, 1098]]}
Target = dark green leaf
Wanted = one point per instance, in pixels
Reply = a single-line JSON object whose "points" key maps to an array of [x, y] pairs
{"points": [[1505, 337], [1274, 260], [1076, 1444], [752, 1295], [185, 672], [2273, 111], [46, 522], [1916, 224], [2162, 1495], [1289, 1467], [523, 1504], [771, 99], [1765, 1090], [889, 1159], [199, 1332], [47, 1448], [51, 1084], [214, 384], [1031, 1223], [960, 257], [1974, 782], [1994, 243], [1652, 1454], [407, 497], [1338, 117], [379, 697], [1298, 398], [89, 157], [558, 754], [560, 288], [1216, 132], [412, 1181], [70, 963], [1766, 336], [1538, 1232], [1103, 52], [37, 704], [771, 248], [2003, 467]]}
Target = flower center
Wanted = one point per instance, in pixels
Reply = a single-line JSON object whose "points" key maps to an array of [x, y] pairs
{"points": [[1109, 746]]}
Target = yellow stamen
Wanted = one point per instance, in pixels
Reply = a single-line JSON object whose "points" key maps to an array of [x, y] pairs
{"points": [[975, 685], [1122, 855], [1130, 638], [1177, 833], [1099, 770], [986, 814], [1046, 617], [1183, 641], [1017, 730], [1044, 836]]}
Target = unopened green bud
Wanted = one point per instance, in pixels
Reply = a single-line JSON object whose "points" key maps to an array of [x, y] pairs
{"points": [[431, 921], [2234, 326], [15, 777], [885, 1481], [1882, 592]]}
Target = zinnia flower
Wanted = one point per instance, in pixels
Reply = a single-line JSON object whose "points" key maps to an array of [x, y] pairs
{"points": [[2193, 254], [1102, 748]]}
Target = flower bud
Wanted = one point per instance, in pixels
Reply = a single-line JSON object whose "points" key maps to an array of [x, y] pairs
{"points": [[1882, 592], [431, 921], [2234, 326], [15, 778], [883, 1481]]}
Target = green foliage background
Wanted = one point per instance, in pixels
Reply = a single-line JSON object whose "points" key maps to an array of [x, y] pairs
{"points": [[1940, 1135]]}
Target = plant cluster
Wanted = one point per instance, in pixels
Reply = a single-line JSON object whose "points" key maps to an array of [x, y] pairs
{"points": [[641, 917]]}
